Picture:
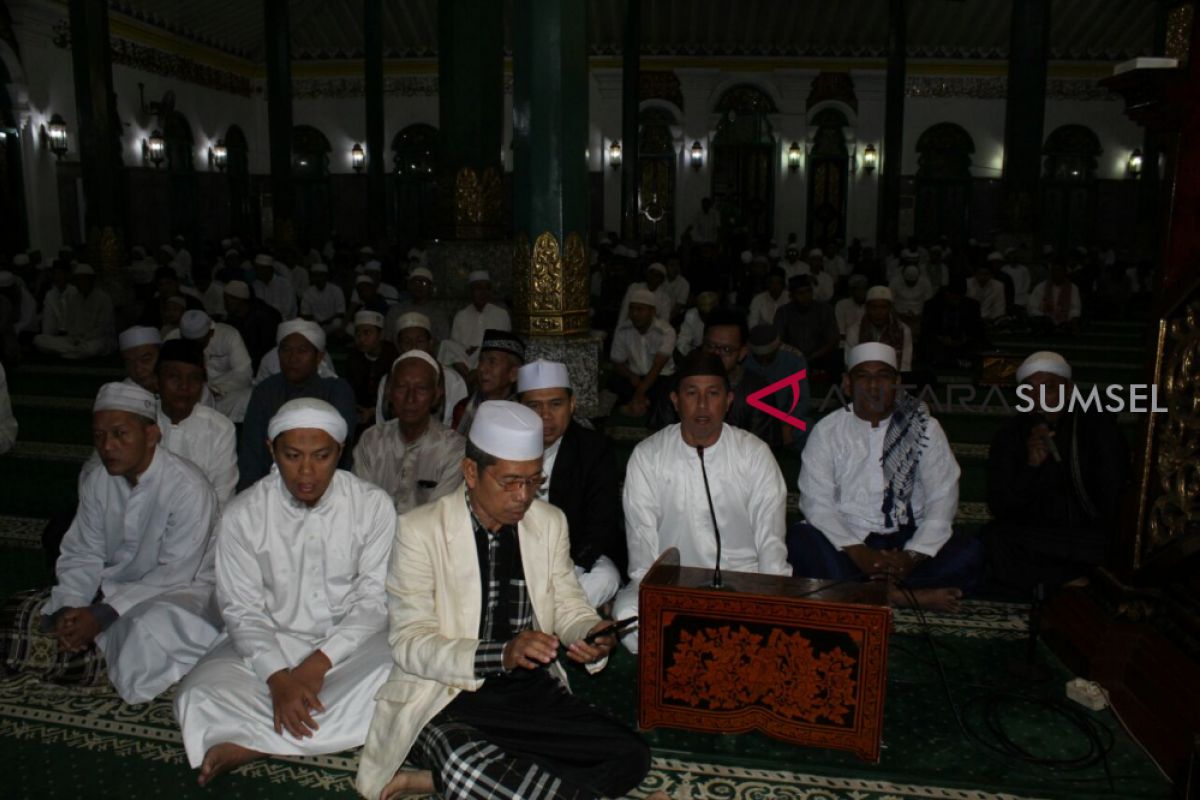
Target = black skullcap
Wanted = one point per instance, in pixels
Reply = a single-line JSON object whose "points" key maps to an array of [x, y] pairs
{"points": [[697, 363], [763, 336], [799, 282], [187, 351], [504, 341]]}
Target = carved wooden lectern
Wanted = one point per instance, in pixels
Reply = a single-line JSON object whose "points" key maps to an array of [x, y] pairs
{"points": [[801, 660]]}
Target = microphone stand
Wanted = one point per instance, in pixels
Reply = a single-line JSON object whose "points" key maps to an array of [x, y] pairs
{"points": [[717, 583]]}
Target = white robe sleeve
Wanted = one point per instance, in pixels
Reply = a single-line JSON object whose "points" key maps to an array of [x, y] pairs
{"points": [[1033, 306], [938, 473], [240, 588], [818, 490], [241, 369], [82, 554], [768, 513], [224, 475], [641, 519]]}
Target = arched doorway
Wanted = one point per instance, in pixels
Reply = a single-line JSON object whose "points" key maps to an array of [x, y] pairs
{"points": [[313, 211], [181, 172], [743, 175], [656, 176], [828, 174], [944, 183], [1069, 186], [237, 167], [14, 233], [415, 157]]}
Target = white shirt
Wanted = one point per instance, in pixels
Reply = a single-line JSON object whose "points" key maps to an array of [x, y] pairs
{"points": [[1038, 295], [412, 473], [323, 305], [293, 579], [470, 323], [91, 317], [549, 456], [54, 310], [990, 298], [637, 350], [665, 503], [209, 440], [678, 288], [910, 300], [822, 286], [706, 226], [300, 281], [763, 308], [848, 314], [837, 265], [691, 332], [842, 487], [453, 384], [135, 542], [270, 366], [852, 341], [8, 423], [278, 293], [1019, 273], [663, 303], [226, 360], [214, 300]]}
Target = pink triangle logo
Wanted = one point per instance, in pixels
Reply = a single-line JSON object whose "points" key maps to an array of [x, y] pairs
{"points": [[755, 400]]}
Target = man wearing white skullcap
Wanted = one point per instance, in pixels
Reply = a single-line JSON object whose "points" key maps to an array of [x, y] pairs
{"points": [[420, 300], [370, 362], [481, 592], [1055, 304], [413, 457], [581, 479], [988, 292], [227, 361], [300, 563], [641, 354], [879, 491], [849, 311], [139, 351], [655, 282], [1056, 476], [272, 288], [301, 350], [88, 319], [309, 330], [910, 290], [133, 588], [880, 324], [256, 321], [414, 331], [479, 316], [54, 303], [324, 302], [705, 226], [822, 280]]}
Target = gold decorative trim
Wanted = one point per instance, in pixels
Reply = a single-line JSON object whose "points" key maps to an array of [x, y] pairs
{"points": [[550, 286], [1179, 32], [478, 203]]}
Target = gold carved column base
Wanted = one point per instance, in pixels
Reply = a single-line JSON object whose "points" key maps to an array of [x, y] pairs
{"points": [[104, 250], [477, 206], [550, 286]]}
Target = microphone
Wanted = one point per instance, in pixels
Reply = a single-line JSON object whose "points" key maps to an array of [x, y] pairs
{"points": [[1049, 440], [717, 583]]}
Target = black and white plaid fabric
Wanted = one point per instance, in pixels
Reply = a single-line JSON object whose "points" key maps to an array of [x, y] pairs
{"points": [[507, 609], [24, 647]]}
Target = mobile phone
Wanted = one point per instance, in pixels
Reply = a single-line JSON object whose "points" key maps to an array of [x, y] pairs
{"points": [[616, 627]]}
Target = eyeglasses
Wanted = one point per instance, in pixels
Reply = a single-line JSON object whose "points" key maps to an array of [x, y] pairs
{"points": [[720, 349], [517, 484]]}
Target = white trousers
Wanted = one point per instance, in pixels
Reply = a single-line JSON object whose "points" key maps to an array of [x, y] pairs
{"points": [[69, 346], [222, 700], [625, 604], [233, 403], [601, 582]]}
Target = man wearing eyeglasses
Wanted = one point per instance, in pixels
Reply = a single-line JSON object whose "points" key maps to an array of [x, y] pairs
{"points": [[482, 594]]}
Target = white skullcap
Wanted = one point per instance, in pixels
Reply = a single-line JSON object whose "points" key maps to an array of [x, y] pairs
{"points": [[912, 271], [319, 268], [871, 351], [137, 336], [361, 279], [238, 289], [643, 296], [373, 266], [129, 397], [413, 319], [178, 300], [479, 275], [816, 253], [307, 412], [747, 256], [879, 293], [20, 260], [995, 256], [263, 260], [195, 324], [542, 374], [368, 318], [306, 328], [1044, 361], [507, 430], [657, 267], [422, 355], [421, 272], [83, 269], [7, 279]]}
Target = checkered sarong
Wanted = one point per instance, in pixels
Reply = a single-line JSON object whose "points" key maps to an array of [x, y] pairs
{"points": [[25, 648]]}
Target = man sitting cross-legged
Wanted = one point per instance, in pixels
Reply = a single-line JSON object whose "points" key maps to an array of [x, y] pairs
{"points": [[481, 593], [134, 591], [879, 490], [300, 561]]}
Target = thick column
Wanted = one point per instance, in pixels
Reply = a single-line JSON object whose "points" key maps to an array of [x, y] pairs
{"points": [[893, 126], [1025, 113], [99, 134], [470, 107], [279, 118], [631, 60], [376, 159]]}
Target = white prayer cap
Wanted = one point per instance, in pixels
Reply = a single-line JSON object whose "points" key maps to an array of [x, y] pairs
{"points": [[7, 279], [912, 271], [195, 324], [507, 430], [879, 293], [373, 266], [306, 328], [120, 396], [1044, 361], [178, 300], [368, 318], [643, 296], [422, 355], [413, 319], [542, 374], [238, 289], [83, 269], [479, 275], [263, 260], [816, 253], [747, 256], [20, 260], [137, 336], [995, 256], [307, 412], [421, 272], [871, 351], [657, 267], [319, 269]]}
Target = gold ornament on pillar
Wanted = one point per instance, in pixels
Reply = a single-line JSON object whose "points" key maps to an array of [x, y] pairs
{"points": [[104, 250], [550, 287], [477, 203], [285, 232]]}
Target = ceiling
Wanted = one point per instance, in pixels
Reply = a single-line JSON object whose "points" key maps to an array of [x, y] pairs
{"points": [[1089, 30]]}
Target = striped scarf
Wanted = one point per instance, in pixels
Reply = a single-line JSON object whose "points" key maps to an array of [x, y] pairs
{"points": [[901, 454]]}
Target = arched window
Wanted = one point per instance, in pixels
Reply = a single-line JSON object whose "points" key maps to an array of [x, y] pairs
{"points": [[944, 183], [656, 176], [310, 153], [828, 171], [415, 151], [313, 195], [1069, 186], [744, 164]]}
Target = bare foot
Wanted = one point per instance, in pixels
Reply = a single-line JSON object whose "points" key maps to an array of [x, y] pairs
{"points": [[945, 599], [408, 782], [221, 758]]}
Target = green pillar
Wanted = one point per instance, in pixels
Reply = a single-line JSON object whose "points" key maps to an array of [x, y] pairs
{"points": [[99, 133], [888, 223], [376, 158], [630, 72], [1025, 113], [470, 110], [550, 130], [279, 119]]}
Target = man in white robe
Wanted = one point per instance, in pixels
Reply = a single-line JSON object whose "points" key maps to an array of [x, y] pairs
{"points": [[412, 457], [665, 501], [765, 304], [879, 491], [988, 292], [641, 356], [324, 302], [849, 310], [415, 331], [54, 304], [272, 288], [664, 304], [90, 327], [481, 315], [226, 360], [300, 564]]}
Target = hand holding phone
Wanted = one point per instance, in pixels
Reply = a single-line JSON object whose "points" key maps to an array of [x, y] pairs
{"points": [[613, 629]]}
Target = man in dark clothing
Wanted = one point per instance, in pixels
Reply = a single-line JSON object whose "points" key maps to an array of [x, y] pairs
{"points": [[1055, 480], [370, 362], [809, 326], [256, 321], [951, 326]]}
